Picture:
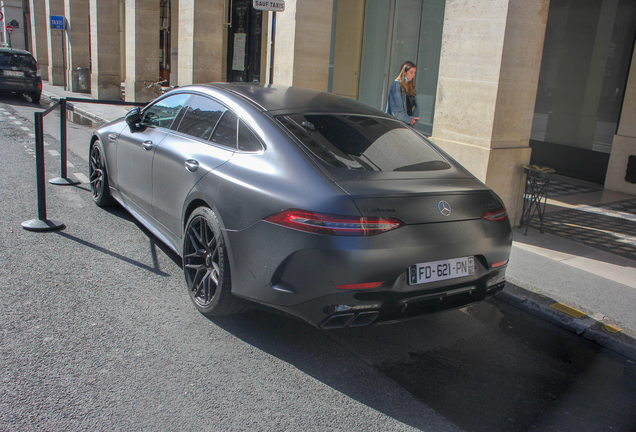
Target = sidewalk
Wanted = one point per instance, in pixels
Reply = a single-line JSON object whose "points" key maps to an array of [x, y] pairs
{"points": [[579, 274]]}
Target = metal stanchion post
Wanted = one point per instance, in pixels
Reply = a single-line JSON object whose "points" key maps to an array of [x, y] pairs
{"points": [[63, 180], [42, 223]]}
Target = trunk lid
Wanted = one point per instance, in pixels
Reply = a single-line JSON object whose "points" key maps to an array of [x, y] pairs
{"points": [[417, 201]]}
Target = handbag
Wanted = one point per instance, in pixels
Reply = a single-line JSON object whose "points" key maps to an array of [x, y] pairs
{"points": [[411, 102]]}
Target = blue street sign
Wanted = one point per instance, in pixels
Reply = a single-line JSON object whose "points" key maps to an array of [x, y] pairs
{"points": [[57, 22]]}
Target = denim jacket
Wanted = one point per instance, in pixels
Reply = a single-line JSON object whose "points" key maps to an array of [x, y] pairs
{"points": [[396, 105]]}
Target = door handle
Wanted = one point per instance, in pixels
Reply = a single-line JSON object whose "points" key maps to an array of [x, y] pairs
{"points": [[147, 145], [192, 165]]}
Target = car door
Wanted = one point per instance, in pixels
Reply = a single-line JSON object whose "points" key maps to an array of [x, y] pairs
{"points": [[136, 148], [204, 140]]}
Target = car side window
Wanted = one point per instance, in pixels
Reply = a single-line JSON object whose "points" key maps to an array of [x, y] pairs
{"points": [[226, 131], [247, 140], [163, 113], [201, 117]]}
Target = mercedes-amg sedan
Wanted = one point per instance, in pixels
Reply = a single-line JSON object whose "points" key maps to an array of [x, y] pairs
{"points": [[303, 201]]}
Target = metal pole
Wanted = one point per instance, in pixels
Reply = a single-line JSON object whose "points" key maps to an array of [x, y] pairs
{"points": [[63, 57], [271, 56], [63, 155], [39, 165], [42, 223], [63, 180]]}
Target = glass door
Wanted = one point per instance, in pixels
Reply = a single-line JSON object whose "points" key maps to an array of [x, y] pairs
{"points": [[396, 31]]}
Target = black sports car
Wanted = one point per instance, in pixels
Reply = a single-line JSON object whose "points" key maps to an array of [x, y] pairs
{"points": [[303, 201]]}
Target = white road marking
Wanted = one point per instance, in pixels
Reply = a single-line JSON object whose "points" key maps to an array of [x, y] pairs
{"points": [[54, 153], [81, 177]]}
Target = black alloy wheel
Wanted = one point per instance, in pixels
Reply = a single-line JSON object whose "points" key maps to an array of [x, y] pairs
{"points": [[206, 265], [98, 177]]}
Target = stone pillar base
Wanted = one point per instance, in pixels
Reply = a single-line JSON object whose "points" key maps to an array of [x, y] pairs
{"points": [[499, 169], [107, 87], [56, 76], [136, 91]]}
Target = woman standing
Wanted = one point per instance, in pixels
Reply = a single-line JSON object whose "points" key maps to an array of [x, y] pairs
{"points": [[402, 103]]}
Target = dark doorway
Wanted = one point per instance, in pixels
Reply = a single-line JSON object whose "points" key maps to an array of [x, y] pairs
{"points": [[164, 39], [244, 43]]}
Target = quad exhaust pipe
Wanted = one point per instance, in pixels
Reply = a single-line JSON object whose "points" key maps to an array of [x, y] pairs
{"points": [[350, 319]]}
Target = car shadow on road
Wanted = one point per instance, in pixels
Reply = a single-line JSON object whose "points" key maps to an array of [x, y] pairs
{"points": [[120, 212], [318, 355]]}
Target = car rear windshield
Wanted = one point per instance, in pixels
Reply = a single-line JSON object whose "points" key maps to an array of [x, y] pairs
{"points": [[364, 143], [17, 60]]}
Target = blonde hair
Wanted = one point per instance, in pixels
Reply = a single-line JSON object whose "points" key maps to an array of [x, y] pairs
{"points": [[407, 87]]}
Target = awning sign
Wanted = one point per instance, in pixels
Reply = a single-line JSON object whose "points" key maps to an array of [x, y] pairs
{"points": [[270, 5]]}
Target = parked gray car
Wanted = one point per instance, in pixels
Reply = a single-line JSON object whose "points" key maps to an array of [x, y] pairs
{"points": [[305, 202]]}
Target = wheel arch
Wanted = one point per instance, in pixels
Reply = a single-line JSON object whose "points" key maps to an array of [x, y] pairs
{"points": [[192, 204]]}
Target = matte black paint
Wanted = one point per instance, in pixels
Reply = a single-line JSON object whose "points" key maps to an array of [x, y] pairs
{"points": [[294, 271]]}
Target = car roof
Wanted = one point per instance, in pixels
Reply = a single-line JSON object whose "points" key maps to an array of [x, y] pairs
{"points": [[14, 51], [279, 99]]}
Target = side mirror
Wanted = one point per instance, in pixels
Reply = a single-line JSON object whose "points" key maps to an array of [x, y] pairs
{"points": [[133, 117]]}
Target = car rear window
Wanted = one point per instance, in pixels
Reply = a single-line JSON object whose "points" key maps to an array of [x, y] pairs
{"points": [[17, 60], [364, 143]]}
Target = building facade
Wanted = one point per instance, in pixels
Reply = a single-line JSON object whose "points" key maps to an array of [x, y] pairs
{"points": [[500, 84]]}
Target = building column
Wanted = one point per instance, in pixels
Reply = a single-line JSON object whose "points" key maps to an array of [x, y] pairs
{"points": [[174, 42], [55, 40], [301, 56], [39, 25], [624, 144], [105, 57], [348, 48], [77, 46], [488, 78], [200, 41], [142, 49]]}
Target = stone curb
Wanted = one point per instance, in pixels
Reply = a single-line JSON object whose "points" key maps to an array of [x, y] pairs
{"points": [[586, 327]]}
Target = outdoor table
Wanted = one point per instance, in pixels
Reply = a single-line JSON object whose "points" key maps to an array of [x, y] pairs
{"points": [[537, 185]]}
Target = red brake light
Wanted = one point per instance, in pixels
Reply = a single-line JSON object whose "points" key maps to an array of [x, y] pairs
{"points": [[321, 223], [361, 285], [498, 215]]}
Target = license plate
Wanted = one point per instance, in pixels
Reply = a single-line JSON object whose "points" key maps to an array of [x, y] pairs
{"points": [[14, 73], [441, 270]]}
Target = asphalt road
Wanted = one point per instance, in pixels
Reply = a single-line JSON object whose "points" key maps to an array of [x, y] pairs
{"points": [[98, 333]]}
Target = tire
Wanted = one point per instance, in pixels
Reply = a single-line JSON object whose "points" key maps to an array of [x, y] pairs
{"points": [[206, 266], [98, 176], [35, 97]]}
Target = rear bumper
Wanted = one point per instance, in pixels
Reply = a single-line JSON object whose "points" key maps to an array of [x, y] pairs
{"points": [[365, 308], [26, 85], [298, 272]]}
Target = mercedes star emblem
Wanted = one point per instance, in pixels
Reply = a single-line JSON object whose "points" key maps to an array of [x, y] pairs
{"points": [[444, 208]]}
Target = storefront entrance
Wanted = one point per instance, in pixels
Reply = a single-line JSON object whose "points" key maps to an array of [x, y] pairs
{"points": [[586, 57], [396, 31], [244, 42]]}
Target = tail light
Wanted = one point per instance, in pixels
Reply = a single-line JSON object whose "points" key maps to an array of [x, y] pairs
{"points": [[497, 215], [38, 73], [321, 223], [364, 285]]}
